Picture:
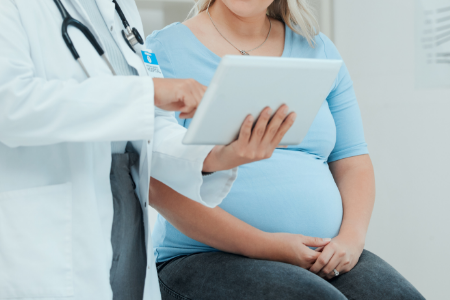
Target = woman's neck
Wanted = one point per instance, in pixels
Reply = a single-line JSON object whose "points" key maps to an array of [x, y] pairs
{"points": [[251, 27], [235, 32]]}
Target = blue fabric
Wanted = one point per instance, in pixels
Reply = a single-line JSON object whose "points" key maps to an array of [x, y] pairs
{"points": [[293, 191]]}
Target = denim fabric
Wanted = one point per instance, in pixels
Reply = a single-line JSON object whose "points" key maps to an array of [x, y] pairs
{"points": [[225, 276], [127, 275]]}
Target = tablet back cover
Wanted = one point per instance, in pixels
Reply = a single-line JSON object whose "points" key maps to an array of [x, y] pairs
{"points": [[245, 85]]}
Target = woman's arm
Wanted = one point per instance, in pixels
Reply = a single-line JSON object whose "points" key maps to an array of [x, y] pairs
{"points": [[251, 145], [219, 229], [355, 179]]}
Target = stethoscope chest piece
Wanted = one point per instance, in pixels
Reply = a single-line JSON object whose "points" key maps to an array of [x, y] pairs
{"points": [[132, 37]]}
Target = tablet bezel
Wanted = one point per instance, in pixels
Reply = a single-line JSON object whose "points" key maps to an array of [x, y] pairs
{"points": [[230, 96]]}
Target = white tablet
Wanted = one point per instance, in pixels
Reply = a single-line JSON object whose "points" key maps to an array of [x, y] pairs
{"points": [[245, 85]]}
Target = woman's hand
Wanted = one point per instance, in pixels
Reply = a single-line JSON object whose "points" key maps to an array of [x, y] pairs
{"points": [[294, 249], [355, 179], [252, 145], [182, 95], [342, 254]]}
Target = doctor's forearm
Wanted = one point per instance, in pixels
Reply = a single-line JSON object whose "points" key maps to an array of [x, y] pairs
{"points": [[37, 112], [211, 226]]}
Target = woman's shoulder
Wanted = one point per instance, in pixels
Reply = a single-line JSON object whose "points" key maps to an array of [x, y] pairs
{"points": [[167, 32], [328, 46], [168, 36], [322, 46], [163, 42]]}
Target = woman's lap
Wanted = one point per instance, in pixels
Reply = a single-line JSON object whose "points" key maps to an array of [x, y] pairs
{"points": [[373, 278], [224, 276], [219, 275]]}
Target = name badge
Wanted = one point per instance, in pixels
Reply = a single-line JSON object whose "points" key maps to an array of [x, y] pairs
{"points": [[151, 64]]}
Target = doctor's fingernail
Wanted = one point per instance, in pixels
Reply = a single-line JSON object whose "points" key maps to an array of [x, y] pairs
{"points": [[327, 240], [269, 112]]}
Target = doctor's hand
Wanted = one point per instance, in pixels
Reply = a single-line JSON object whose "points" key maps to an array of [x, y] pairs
{"points": [[252, 145], [182, 95]]}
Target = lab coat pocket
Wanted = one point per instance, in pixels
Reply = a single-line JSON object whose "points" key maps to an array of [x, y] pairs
{"points": [[36, 243]]}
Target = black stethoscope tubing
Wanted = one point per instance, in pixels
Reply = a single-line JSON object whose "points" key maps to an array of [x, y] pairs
{"points": [[132, 38]]}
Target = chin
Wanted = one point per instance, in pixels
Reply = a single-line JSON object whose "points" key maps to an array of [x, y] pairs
{"points": [[247, 8]]}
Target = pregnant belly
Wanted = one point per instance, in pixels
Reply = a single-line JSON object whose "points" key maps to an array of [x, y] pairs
{"points": [[292, 192]]}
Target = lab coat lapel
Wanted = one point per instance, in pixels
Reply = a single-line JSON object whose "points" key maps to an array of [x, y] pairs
{"points": [[108, 10], [83, 17]]}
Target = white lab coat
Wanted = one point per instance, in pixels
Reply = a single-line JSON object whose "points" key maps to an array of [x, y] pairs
{"points": [[56, 127]]}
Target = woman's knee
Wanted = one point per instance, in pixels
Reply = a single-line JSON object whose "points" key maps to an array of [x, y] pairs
{"points": [[373, 278], [288, 282], [315, 288]]}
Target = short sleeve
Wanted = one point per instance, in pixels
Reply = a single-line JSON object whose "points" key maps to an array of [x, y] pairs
{"points": [[154, 44], [344, 107]]}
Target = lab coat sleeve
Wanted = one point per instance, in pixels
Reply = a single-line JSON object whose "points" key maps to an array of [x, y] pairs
{"points": [[35, 111], [180, 166]]}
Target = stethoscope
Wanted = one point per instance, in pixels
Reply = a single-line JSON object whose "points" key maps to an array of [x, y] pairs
{"points": [[131, 36]]}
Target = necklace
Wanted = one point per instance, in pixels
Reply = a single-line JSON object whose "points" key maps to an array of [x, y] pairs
{"points": [[243, 52]]}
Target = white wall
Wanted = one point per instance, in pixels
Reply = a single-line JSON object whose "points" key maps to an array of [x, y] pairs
{"points": [[408, 132], [157, 14], [325, 15]]}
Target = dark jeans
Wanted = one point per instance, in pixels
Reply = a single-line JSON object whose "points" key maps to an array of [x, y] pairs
{"points": [[225, 276], [127, 275]]}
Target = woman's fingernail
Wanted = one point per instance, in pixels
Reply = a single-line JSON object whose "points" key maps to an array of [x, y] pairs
{"points": [[327, 240], [269, 112], [285, 110]]}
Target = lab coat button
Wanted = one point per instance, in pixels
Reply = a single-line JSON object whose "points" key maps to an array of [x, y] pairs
{"points": [[148, 142], [112, 28]]}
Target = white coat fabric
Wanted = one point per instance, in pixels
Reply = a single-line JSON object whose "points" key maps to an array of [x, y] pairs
{"points": [[56, 128]]}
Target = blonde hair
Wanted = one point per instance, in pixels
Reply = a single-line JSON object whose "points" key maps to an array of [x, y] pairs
{"points": [[297, 14]]}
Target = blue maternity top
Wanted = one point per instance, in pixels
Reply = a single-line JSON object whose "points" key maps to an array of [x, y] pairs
{"points": [[293, 191]]}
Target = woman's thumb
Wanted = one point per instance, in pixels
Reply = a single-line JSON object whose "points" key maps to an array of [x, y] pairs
{"points": [[315, 241]]}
